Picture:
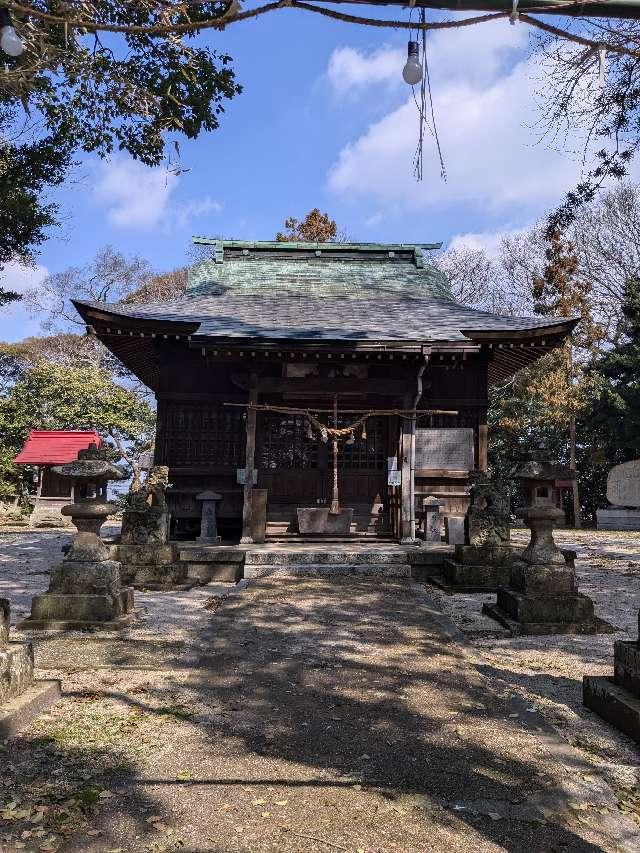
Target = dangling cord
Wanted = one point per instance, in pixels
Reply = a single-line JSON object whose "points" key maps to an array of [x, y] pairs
{"points": [[426, 78]]}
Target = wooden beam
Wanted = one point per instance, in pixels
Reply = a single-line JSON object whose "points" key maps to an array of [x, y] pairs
{"points": [[405, 461], [250, 453], [338, 385], [606, 9]]}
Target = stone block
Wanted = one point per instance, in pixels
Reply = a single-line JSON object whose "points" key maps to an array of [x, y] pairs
{"points": [[454, 529], [53, 607], [320, 520], [258, 515], [429, 556], [543, 578], [155, 577], [144, 527], [489, 553], [88, 578], [623, 484], [626, 666], [545, 608], [126, 600], [19, 711], [204, 573], [147, 555], [618, 519], [613, 703], [479, 576], [211, 555], [16, 669]]}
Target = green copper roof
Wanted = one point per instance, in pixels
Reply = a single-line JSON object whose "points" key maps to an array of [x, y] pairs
{"points": [[353, 270]]}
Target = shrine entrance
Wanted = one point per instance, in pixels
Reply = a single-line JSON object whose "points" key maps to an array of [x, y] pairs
{"points": [[297, 469]]}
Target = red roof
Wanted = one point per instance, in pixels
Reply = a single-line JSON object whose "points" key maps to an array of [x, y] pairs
{"points": [[53, 447]]}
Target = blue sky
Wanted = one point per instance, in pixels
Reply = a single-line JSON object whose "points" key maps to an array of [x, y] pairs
{"points": [[325, 120]]}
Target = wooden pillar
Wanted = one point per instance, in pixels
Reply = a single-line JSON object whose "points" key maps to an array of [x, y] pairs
{"points": [[249, 462], [482, 462], [405, 461]]}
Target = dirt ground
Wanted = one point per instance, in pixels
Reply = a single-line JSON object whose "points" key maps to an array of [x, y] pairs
{"points": [[321, 714]]}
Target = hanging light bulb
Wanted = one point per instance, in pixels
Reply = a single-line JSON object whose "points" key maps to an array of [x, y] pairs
{"points": [[412, 71], [10, 41], [309, 432], [364, 431]]}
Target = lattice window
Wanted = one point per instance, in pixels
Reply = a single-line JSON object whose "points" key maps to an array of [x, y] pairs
{"points": [[203, 436], [366, 453], [283, 442]]}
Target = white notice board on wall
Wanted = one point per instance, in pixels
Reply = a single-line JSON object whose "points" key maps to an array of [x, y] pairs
{"points": [[446, 449]]}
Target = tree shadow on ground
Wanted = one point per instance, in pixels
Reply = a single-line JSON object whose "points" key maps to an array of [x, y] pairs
{"points": [[341, 683], [51, 792]]}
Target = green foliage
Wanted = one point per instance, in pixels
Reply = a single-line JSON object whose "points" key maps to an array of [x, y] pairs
{"points": [[53, 396], [610, 427], [71, 91], [27, 169]]}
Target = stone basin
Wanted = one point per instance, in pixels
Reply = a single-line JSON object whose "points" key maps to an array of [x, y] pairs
{"points": [[322, 520]]}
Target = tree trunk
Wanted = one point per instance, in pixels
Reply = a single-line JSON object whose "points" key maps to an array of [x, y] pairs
{"points": [[577, 515]]}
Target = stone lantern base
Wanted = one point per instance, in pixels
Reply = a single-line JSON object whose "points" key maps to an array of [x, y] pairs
{"points": [[83, 595], [617, 700], [542, 595], [21, 697], [85, 589]]}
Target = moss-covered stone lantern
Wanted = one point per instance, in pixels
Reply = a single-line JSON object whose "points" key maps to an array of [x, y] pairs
{"points": [[85, 589]]}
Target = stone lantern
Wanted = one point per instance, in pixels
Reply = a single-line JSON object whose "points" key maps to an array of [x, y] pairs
{"points": [[542, 594], [85, 589]]}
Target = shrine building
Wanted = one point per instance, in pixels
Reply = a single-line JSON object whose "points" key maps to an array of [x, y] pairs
{"points": [[272, 343], [42, 450]]}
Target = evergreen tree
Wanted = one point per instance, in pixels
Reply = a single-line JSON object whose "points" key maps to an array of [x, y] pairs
{"points": [[613, 422]]}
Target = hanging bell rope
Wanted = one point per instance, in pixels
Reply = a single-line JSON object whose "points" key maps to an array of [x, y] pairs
{"points": [[337, 433]]}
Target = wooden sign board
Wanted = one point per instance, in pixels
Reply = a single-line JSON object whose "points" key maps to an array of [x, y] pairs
{"points": [[445, 449]]}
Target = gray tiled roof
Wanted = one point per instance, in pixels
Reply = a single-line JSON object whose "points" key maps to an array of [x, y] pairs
{"points": [[320, 318], [353, 270]]}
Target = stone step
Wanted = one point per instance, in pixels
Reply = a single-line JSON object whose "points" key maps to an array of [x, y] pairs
{"points": [[257, 570], [325, 557]]}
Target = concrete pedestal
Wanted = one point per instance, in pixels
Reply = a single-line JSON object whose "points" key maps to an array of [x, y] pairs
{"points": [[618, 518], [151, 566], [320, 520], [542, 595], [83, 593], [476, 568], [21, 697], [617, 700], [208, 521]]}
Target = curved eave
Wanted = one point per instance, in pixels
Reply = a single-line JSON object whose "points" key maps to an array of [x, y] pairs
{"points": [[134, 340], [139, 342], [510, 351]]}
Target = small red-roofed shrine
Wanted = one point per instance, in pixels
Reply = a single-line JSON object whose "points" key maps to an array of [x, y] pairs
{"points": [[43, 449]]}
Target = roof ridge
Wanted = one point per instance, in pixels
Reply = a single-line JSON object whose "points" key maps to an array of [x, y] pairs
{"points": [[301, 245]]}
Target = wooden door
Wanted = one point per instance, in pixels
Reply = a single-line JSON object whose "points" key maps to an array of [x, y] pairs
{"points": [[288, 461]]}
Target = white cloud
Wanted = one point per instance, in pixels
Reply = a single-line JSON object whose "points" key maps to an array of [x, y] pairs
{"points": [[15, 322], [138, 196], [487, 241], [135, 196], [183, 214], [350, 69], [484, 91], [452, 54]]}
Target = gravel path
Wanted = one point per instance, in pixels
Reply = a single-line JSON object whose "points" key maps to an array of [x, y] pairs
{"points": [[309, 714], [547, 671]]}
